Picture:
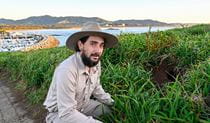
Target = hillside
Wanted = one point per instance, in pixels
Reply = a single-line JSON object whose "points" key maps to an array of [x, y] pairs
{"points": [[153, 77], [76, 21], [140, 22]]}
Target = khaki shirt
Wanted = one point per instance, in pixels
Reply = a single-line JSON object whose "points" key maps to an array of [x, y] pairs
{"points": [[71, 88]]}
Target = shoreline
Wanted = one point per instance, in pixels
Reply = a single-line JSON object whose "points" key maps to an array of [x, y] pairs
{"points": [[14, 41], [47, 42]]}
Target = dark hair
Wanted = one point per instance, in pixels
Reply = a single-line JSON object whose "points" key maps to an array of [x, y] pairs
{"points": [[83, 40]]}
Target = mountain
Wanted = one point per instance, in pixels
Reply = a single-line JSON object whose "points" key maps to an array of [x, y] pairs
{"points": [[39, 20], [140, 22], [49, 20], [6, 21], [70, 21]]}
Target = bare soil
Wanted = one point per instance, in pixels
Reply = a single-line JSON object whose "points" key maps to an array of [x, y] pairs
{"points": [[34, 112], [165, 73]]}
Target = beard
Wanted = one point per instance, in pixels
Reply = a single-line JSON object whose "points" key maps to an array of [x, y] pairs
{"points": [[87, 61]]}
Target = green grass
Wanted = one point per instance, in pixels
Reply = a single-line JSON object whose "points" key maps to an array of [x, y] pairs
{"points": [[127, 75]]}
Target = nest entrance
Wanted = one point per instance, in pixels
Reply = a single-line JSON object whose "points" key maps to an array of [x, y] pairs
{"points": [[164, 73]]}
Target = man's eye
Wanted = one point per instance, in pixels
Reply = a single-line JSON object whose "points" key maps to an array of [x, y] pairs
{"points": [[102, 45], [92, 43]]}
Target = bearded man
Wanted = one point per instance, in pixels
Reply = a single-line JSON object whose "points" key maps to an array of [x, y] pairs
{"points": [[77, 79]]}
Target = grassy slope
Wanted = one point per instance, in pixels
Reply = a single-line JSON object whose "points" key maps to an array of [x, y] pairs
{"points": [[127, 75]]}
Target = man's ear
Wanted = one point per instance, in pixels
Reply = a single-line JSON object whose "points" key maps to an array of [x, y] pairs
{"points": [[80, 45]]}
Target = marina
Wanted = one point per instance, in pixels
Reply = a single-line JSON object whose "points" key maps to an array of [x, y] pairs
{"points": [[18, 41]]}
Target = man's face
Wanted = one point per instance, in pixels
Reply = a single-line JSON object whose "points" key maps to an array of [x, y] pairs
{"points": [[91, 50]]}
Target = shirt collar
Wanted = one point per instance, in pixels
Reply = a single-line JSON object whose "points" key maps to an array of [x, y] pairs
{"points": [[84, 69]]}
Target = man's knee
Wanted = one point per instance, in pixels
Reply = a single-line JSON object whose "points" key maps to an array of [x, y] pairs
{"points": [[101, 109]]}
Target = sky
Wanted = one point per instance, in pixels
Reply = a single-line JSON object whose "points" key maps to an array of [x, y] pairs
{"points": [[170, 11]]}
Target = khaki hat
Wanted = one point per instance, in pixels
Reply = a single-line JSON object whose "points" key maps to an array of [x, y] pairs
{"points": [[91, 29]]}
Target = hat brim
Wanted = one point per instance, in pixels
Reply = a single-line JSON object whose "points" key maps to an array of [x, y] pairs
{"points": [[110, 40]]}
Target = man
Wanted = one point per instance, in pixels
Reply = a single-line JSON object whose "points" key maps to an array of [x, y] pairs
{"points": [[77, 79]]}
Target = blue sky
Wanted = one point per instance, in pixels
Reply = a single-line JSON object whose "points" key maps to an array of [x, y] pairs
{"points": [[171, 11]]}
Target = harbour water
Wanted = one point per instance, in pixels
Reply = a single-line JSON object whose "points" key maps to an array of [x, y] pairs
{"points": [[63, 34]]}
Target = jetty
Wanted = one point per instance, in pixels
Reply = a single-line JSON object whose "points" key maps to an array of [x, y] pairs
{"points": [[46, 42]]}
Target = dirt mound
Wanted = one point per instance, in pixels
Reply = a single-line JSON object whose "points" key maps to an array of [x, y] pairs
{"points": [[164, 73]]}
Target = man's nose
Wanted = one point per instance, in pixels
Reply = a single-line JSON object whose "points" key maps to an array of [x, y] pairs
{"points": [[99, 49]]}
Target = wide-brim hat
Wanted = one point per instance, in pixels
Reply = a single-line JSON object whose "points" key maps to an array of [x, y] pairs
{"points": [[91, 29]]}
